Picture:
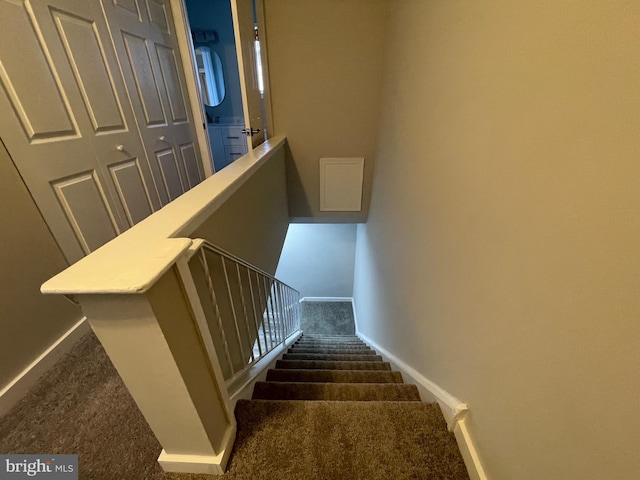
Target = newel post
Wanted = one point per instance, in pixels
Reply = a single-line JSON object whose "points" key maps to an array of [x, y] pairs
{"points": [[151, 335]]}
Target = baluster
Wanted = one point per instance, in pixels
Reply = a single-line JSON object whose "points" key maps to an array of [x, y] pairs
{"points": [[246, 316], [233, 311], [255, 315], [212, 296]]}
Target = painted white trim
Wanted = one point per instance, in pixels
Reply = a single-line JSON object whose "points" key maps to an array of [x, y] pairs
{"points": [[202, 464], [13, 392], [326, 299], [454, 410], [185, 46], [468, 451], [355, 315]]}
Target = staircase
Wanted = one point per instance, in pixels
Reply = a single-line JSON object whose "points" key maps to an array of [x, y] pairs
{"points": [[332, 409]]}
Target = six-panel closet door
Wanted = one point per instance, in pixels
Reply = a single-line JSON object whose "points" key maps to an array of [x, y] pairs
{"points": [[73, 126]]}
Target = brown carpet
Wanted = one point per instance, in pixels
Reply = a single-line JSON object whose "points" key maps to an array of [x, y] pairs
{"points": [[81, 406], [323, 416]]}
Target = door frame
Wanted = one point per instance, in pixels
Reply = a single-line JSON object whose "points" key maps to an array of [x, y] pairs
{"points": [[185, 47]]}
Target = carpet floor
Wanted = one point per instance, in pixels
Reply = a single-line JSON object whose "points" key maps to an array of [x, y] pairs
{"points": [[81, 406], [328, 318]]}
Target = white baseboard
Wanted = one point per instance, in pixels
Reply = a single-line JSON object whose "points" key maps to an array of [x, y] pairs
{"points": [[355, 316], [454, 410], [200, 464], [13, 392], [327, 299], [468, 451]]}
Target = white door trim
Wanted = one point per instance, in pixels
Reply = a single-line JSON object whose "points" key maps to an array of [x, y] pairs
{"points": [[185, 46]]}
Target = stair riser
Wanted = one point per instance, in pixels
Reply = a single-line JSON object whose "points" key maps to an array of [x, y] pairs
{"points": [[331, 365], [332, 351], [340, 339], [363, 392], [331, 345], [343, 338], [332, 357], [335, 376]]}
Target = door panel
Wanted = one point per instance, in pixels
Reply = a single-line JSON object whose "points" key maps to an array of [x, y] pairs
{"points": [[21, 78], [144, 79], [83, 202], [131, 189], [149, 58], [130, 6], [89, 66], [170, 173], [169, 71], [158, 14], [69, 125], [190, 162]]}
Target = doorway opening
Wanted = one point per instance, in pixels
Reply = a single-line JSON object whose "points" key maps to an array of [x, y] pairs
{"points": [[221, 74]]}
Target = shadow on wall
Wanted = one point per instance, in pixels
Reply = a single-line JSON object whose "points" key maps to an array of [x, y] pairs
{"points": [[318, 260]]}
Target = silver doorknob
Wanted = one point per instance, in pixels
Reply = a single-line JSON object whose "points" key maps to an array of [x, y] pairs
{"points": [[250, 132], [162, 138], [120, 148]]}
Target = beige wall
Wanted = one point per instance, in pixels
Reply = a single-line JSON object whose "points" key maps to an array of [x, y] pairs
{"points": [[501, 258], [325, 61], [252, 223], [29, 321]]}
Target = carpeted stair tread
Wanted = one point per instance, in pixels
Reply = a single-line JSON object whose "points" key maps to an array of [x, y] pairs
{"points": [[330, 345], [322, 338], [332, 351], [362, 392], [326, 376], [319, 440], [329, 337], [353, 346], [334, 357], [332, 365], [331, 340]]}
